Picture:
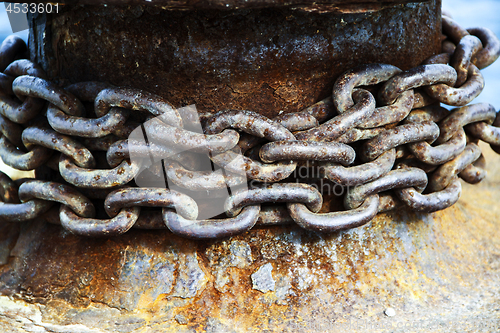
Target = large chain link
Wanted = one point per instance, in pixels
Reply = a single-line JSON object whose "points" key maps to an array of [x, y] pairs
{"points": [[382, 135]]}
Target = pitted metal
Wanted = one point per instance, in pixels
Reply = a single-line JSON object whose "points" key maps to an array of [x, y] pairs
{"points": [[422, 99], [437, 155], [88, 91], [274, 215], [475, 172], [433, 201], [463, 116], [12, 210], [388, 201], [46, 137], [403, 134], [120, 150], [446, 173], [486, 133], [323, 110], [181, 139], [136, 100], [393, 113], [100, 144], [335, 221], [468, 47], [86, 127], [434, 113], [127, 129], [11, 131], [97, 178], [10, 49], [20, 212], [20, 112], [257, 125], [98, 153], [304, 150], [298, 121], [151, 197], [18, 159], [213, 228], [411, 161], [248, 122], [399, 178], [491, 47], [453, 31], [338, 125], [458, 96], [25, 67], [420, 76], [201, 180], [150, 220], [447, 46], [358, 134], [52, 191], [31, 86], [11, 107], [254, 169], [118, 225], [281, 192], [8, 189], [364, 75], [362, 173]]}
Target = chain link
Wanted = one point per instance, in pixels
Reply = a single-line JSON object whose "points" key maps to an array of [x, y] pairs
{"points": [[201, 180], [48, 138], [360, 174], [151, 197], [400, 135], [475, 172], [340, 124], [12, 47], [399, 178], [382, 136], [281, 192], [456, 96], [334, 221], [213, 228], [445, 174], [52, 191], [21, 160]]}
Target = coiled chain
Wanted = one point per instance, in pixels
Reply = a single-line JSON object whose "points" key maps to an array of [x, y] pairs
{"points": [[382, 135]]}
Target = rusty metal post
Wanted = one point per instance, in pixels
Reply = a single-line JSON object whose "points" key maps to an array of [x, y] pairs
{"points": [[272, 59], [435, 272]]}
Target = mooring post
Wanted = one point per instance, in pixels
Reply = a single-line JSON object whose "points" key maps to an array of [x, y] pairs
{"points": [[403, 271]]}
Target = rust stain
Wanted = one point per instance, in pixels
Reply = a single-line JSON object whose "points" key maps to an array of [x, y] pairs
{"points": [[408, 261], [291, 57]]}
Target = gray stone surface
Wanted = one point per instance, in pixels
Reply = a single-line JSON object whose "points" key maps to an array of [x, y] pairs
{"points": [[262, 279]]}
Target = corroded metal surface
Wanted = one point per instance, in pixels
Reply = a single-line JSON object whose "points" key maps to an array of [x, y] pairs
{"points": [[266, 60], [311, 5], [438, 271]]}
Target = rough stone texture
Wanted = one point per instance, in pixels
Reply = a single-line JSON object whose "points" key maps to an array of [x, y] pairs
{"points": [[262, 279], [266, 60], [440, 272]]}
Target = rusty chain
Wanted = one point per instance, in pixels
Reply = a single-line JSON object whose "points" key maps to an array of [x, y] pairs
{"points": [[382, 135]]}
